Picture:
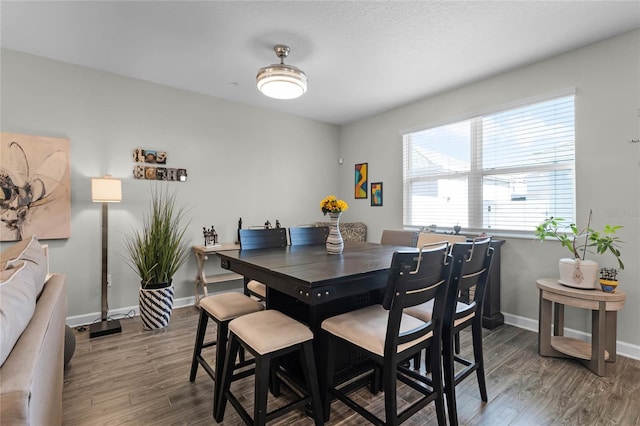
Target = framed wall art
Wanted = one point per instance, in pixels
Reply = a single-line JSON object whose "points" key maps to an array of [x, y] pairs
{"points": [[376, 193], [361, 176], [36, 185]]}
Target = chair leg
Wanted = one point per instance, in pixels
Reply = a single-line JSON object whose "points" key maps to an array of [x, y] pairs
{"points": [[221, 351], [328, 379], [263, 367], [197, 350], [449, 376], [389, 384], [476, 330], [457, 343], [311, 378], [416, 361], [227, 376]]}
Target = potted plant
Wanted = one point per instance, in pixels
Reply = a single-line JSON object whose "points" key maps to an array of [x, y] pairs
{"points": [[156, 252], [577, 271], [609, 279]]}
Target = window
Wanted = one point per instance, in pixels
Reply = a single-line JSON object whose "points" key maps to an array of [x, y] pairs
{"points": [[502, 171]]}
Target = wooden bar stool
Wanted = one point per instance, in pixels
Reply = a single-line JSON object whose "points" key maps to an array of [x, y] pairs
{"points": [[269, 335], [222, 308]]}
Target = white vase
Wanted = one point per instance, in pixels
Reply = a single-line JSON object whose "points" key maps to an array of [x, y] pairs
{"points": [[335, 245], [578, 273]]}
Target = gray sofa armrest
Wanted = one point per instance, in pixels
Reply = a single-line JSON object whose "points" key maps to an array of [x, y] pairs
{"points": [[32, 376]]}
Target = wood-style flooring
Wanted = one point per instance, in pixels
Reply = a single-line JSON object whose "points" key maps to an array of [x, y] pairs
{"points": [[141, 377]]}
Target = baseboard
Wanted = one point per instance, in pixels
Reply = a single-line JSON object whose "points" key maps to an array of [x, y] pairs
{"points": [[120, 313], [622, 348]]}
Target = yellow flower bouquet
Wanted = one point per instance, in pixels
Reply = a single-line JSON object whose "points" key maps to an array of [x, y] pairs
{"points": [[331, 204]]}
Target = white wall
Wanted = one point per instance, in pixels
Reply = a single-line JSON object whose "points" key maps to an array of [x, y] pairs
{"points": [[606, 76], [242, 162]]}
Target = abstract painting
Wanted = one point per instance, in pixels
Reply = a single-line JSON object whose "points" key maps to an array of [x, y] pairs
{"points": [[361, 180], [35, 180], [376, 193]]}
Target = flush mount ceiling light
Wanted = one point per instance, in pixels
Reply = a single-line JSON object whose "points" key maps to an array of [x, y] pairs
{"points": [[281, 81]]}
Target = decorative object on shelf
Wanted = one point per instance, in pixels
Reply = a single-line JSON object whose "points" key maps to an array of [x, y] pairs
{"points": [[456, 229], [361, 176], [281, 81], [155, 253], [609, 279], [105, 190], [376, 194], [577, 271], [335, 207], [239, 228], [267, 224], [210, 236], [35, 184], [278, 224]]}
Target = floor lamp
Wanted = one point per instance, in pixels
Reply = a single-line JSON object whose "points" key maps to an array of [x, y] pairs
{"points": [[105, 190]]}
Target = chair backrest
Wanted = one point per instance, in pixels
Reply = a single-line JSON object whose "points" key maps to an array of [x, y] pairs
{"points": [[305, 235], [432, 237], [262, 238], [471, 267], [350, 231], [399, 238], [416, 277]]}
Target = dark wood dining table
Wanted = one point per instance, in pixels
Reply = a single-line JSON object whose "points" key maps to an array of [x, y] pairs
{"points": [[309, 284]]}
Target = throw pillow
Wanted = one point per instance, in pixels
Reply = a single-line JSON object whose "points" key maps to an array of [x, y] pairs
{"points": [[14, 251], [17, 305], [34, 254]]}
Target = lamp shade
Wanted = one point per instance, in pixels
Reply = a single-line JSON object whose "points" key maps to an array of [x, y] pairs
{"points": [[106, 190]]}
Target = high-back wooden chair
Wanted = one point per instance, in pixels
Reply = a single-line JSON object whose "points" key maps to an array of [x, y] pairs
{"points": [[305, 235], [260, 238], [471, 266], [399, 238], [387, 336]]}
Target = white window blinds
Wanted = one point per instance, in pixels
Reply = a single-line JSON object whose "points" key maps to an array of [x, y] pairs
{"points": [[502, 171]]}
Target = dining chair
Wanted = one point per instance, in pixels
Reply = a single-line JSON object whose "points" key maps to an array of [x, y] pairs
{"points": [[222, 308], [251, 239], [269, 335], [471, 266], [305, 235], [399, 238], [386, 336]]}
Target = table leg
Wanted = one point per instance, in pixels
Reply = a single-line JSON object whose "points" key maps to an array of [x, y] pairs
{"points": [[611, 324], [544, 326], [596, 364], [558, 319]]}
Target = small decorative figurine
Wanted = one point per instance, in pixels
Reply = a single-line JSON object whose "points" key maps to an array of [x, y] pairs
{"points": [[210, 236], [267, 224], [239, 228], [278, 224]]}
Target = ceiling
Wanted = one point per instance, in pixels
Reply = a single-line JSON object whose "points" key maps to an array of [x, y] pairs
{"points": [[361, 57]]}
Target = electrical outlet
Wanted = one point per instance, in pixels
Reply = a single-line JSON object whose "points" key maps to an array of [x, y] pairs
{"points": [[108, 280]]}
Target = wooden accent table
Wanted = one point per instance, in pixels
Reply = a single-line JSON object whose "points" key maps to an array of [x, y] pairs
{"points": [[202, 279], [604, 310]]}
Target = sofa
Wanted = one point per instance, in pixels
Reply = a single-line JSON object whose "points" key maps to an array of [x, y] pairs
{"points": [[33, 309]]}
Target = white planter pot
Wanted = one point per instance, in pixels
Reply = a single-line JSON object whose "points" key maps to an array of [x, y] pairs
{"points": [[579, 273]]}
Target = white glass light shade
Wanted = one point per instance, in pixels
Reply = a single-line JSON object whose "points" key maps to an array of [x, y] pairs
{"points": [[281, 81], [106, 190]]}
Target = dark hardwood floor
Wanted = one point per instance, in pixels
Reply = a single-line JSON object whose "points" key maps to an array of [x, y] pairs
{"points": [[142, 378]]}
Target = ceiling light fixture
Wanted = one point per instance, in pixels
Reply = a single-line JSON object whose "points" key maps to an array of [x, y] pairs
{"points": [[281, 81]]}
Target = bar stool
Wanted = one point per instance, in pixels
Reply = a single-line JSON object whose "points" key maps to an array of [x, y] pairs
{"points": [[222, 308], [268, 335]]}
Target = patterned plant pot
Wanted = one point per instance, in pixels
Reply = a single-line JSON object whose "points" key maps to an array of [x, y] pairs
{"points": [[156, 304], [335, 245]]}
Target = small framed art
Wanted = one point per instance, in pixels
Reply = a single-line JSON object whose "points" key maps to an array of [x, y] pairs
{"points": [[376, 193], [361, 176]]}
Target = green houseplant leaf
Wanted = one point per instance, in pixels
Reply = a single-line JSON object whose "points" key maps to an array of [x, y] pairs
{"points": [[157, 250]]}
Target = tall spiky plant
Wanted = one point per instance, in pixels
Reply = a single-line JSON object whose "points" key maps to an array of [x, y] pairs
{"points": [[158, 250]]}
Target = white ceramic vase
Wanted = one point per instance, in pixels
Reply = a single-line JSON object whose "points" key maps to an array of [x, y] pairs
{"points": [[578, 273], [335, 244]]}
